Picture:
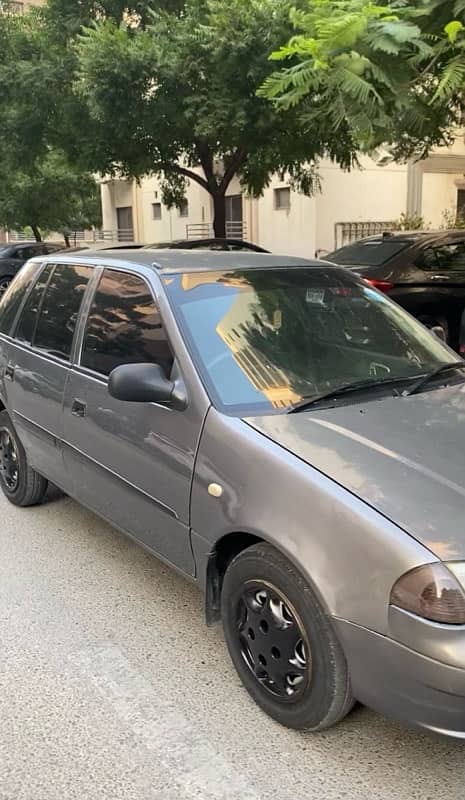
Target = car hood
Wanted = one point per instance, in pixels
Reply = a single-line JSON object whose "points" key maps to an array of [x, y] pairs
{"points": [[404, 456]]}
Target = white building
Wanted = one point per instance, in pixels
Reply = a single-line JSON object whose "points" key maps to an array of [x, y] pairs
{"points": [[350, 205]]}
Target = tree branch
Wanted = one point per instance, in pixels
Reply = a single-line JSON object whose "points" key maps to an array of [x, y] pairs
{"points": [[206, 160], [237, 159], [193, 176]]}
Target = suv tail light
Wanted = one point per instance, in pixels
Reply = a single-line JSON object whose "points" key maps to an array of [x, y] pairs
{"points": [[382, 286]]}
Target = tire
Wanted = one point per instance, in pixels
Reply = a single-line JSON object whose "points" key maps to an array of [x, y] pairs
{"points": [[27, 488], [322, 696], [5, 281]]}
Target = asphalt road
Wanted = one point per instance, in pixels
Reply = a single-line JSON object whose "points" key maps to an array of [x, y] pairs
{"points": [[111, 687]]}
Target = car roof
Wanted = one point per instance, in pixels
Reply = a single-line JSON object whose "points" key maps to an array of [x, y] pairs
{"points": [[179, 261], [409, 236]]}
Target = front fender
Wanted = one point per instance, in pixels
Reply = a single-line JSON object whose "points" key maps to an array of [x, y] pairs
{"points": [[349, 553]]}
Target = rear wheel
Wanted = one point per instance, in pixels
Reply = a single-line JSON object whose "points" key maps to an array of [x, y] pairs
{"points": [[21, 484], [5, 281], [282, 643]]}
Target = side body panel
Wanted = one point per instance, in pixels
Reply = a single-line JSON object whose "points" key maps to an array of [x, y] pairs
{"points": [[349, 552]]}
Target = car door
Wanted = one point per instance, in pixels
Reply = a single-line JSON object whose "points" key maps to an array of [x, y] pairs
{"points": [[39, 354], [131, 462], [443, 263]]}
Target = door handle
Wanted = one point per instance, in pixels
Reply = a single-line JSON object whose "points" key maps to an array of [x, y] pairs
{"points": [[79, 408], [10, 371]]}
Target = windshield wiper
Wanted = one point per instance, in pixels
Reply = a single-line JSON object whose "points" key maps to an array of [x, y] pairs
{"points": [[346, 388], [425, 379]]}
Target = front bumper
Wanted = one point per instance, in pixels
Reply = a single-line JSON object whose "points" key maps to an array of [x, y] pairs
{"points": [[398, 682]]}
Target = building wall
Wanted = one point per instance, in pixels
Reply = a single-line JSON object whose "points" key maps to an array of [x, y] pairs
{"points": [[370, 194], [171, 225], [290, 231], [373, 193], [439, 195]]}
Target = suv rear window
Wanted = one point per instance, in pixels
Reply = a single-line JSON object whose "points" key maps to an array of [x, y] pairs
{"points": [[369, 253]]}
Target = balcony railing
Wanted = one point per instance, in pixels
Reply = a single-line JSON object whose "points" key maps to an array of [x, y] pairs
{"points": [[11, 7], [87, 237], [204, 230], [347, 232]]}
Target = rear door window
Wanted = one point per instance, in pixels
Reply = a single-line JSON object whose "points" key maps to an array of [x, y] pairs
{"points": [[30, 313], [446, 257], [60, 309]]}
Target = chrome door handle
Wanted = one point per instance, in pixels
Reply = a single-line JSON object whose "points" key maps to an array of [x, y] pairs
{"points": [[79, 408]]}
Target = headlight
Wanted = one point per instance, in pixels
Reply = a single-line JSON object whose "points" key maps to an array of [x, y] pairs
{"points": [[433, 592]]}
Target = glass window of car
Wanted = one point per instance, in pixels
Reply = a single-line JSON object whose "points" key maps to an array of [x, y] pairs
{"points": [[13, 297], [368, 253], [31, 251], [50, 247], [124, 326], [446, 257], [60, 309], [27, 322], [263, 340]]}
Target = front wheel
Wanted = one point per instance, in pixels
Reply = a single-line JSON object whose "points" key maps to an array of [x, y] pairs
{"points": [[282, 643], [21, 484]]}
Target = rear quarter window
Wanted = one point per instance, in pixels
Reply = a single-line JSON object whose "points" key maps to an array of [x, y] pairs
{"points": [[13, 297]]}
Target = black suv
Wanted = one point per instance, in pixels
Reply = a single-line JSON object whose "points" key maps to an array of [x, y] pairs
{"points": [[423, 271], [13, 256]]}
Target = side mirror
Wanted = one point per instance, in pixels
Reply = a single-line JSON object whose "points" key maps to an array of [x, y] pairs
{"points": [[145, 383], [439, 331]]}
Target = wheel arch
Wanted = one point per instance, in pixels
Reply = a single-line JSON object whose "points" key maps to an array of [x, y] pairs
{"points": [[226, 548]]}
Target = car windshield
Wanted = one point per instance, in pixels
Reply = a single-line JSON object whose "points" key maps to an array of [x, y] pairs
{"points": [[265, 339], [368, 253], [4, 250]]}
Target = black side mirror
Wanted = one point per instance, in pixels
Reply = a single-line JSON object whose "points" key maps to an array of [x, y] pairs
{"points": [[145, 383], [439, 331]]}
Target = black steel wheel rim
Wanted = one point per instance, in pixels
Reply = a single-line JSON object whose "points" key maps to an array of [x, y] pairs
{"points": [[4, 284], [9, 462], [272, 641]]}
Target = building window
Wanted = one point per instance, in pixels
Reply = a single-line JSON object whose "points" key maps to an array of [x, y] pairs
{"points": [[282, 198], [156, 210], [184, 209]]}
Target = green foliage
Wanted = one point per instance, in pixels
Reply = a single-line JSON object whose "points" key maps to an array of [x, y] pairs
{"points": [[50, 196], [167, 88], [411, 222], [452, 220], [388, 73]]}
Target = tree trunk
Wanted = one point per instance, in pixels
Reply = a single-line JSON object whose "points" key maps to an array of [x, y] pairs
{"points": [[66, 238], [37, 233], [219, 211]]}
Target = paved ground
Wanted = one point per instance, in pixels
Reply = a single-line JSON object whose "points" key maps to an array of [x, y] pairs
{"points": [[112, 687]]}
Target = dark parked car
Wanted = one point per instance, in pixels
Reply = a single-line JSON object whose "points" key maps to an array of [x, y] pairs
{"points": [[422, 271], [13, 256], [281, 433], [231, 245]]}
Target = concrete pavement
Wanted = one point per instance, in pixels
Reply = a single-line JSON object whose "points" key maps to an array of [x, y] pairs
{"points": [[111, 687]]}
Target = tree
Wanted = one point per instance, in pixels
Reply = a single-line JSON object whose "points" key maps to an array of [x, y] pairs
{"points": [[50, 196], [375, 74], [178, 91]]}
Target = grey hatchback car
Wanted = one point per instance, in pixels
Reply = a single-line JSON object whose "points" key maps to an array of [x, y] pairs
{"points": [[281, 433]]}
